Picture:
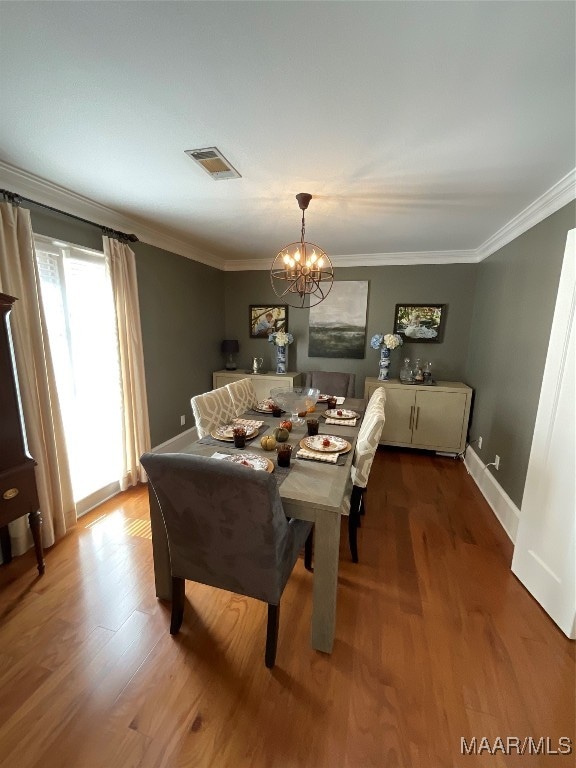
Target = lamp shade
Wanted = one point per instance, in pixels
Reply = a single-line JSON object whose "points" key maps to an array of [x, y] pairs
{"points": [[230, 346]]}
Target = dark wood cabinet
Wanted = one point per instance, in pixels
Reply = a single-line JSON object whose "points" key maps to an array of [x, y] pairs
{"points": [[18, 493]]}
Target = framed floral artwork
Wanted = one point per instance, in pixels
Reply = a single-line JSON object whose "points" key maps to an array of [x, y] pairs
{"points": [[420, 323]]}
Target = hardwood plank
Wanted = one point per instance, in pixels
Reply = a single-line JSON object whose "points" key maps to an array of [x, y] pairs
{"points": [[435, 640]]}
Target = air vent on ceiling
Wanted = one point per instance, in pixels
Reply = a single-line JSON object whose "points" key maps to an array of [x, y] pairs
{"points": [[214, 163]]}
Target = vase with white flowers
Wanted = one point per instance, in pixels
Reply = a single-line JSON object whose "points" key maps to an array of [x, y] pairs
{"points": [[281, 339], [385, 342]]}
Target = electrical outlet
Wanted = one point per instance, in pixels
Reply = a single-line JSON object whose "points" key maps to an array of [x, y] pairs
{"points": [[182, 420], [479, 442], [497, 462]]}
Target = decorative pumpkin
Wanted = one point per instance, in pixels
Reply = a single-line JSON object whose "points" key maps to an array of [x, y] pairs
{"points": [[268, 442], [286, 424], [281, 434]]}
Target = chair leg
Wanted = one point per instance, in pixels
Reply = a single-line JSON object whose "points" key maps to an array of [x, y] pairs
{"points": [[352, 537], [308, 549], [272, 634], [354, 521], [178, 592]]}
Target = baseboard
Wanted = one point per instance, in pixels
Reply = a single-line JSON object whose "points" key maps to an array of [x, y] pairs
{"points": [[501, 504]]}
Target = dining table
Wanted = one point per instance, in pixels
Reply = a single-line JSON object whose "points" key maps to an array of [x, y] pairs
{"points": [[310, 490]]}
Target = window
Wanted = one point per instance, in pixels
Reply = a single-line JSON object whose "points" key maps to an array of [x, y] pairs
{"points": [[79, 306]]}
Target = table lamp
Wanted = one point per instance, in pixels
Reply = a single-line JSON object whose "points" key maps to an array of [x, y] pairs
{"points": [[230, 347]]}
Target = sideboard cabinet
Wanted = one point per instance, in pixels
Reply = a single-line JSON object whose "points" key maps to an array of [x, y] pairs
{"points": [[417, 416], [263, 382]]}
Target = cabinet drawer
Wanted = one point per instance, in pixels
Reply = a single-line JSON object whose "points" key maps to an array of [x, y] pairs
{"points": [[19, 486]]}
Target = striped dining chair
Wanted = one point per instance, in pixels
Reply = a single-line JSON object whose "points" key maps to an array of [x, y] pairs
{"points": [[211, 410], [366, 445], [243, 395]]}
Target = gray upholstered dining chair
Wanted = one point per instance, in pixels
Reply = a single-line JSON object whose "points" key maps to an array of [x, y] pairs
{"points": [[211, 410], [332, 382], [243, 395], [364, 452], [226, 528]]}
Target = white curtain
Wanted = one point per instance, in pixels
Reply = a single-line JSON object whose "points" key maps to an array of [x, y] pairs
{"points": [[40, 405], [136, 429]]}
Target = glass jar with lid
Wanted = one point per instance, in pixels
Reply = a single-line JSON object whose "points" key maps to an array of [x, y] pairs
{"points": [[406, 371]]}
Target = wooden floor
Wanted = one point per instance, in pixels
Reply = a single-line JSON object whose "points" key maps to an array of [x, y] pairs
{"points": [[435, 641]]}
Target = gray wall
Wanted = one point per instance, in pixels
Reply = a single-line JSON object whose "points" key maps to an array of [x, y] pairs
{"points": [[182, 315], [511, 321], [451, 284], [497, 328]]}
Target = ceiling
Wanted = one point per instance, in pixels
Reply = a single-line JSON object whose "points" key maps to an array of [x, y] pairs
{"points": [[418, 127]]}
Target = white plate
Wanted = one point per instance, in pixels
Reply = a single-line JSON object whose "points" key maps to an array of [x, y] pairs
{"points": [[316, 443], [226, 433], [340, 413], [251, 460]]}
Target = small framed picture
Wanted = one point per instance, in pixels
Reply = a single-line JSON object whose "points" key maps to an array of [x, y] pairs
{"points": [[266, 320], [421, 323]]}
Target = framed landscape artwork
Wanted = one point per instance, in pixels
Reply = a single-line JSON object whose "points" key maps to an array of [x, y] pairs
{"points": [[338, 324], [421, 323], [265, 320]]}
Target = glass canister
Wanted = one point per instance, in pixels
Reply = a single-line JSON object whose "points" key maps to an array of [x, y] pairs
{"points": [[406, 371], [417, 372]]}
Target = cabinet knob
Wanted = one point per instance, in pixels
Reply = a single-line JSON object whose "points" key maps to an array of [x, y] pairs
{"points": [[10, 493]]}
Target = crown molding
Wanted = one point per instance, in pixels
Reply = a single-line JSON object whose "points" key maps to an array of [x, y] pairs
{"points": [[42, 191], [371, 260], [559, 195]]}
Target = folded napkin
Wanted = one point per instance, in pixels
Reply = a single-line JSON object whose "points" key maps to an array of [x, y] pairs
{"points": [[248, 423], [342, 422], [219, 455], [340, 400], [329, 458]]}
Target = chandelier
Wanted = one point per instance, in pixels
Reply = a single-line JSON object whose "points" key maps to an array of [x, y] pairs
{"points": [[302, 270]]}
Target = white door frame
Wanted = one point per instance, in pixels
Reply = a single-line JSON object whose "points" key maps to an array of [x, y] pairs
{"points": [[545, 551]]}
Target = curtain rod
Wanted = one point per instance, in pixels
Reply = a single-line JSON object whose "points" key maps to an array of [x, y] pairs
{"points": [[16, 199]]}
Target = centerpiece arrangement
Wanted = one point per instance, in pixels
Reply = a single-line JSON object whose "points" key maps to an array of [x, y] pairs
{"points": [[281, 339], [385, 342]]}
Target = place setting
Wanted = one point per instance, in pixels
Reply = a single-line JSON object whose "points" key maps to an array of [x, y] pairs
{"points": [[319, 447], [238, 432], [341, 416], [268, 407], [250, 460]]}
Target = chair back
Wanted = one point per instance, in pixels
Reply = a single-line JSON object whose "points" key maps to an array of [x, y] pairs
{"points": [[225, 524], [368, 438], [243, 395], [332, 382], [211, 410]]}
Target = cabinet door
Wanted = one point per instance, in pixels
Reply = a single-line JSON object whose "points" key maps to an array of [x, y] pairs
{"points": [[439, 420], [399, 416]]}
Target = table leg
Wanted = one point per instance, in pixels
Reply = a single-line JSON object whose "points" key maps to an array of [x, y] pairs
{"points": [[326, 556], [160, 551]]}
